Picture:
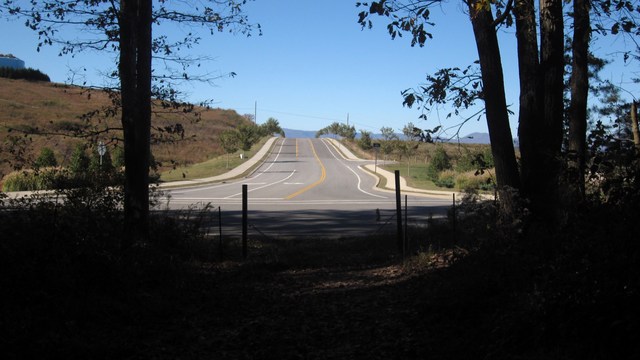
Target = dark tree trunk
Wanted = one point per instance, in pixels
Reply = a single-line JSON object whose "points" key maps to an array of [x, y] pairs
{"points": [[542, 155], [634, 125], [135, 79], [494, 98], [529, 112], [579, 92]]}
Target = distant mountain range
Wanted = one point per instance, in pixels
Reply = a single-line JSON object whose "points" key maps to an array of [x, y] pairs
{"points": [[299, 134], [473, 138]]}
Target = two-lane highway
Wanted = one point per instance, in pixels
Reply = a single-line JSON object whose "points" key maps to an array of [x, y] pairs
{"points": [[306, 188]]}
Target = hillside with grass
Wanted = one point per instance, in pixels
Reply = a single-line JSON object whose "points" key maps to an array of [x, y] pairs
{"points": [[35, 115], [433, 166]]}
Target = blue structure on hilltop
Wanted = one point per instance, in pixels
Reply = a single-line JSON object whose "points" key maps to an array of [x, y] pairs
{"points": [[11, 61]]}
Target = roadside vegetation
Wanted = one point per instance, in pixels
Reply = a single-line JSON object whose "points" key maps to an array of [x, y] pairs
{"points": [[60, 119], [213, 167], [429, 165]]}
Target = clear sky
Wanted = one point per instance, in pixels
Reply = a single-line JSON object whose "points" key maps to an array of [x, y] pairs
{"points": [[313, 65]]}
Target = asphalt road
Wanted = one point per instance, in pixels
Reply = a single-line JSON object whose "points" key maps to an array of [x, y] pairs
{"points": [[305, 188]]}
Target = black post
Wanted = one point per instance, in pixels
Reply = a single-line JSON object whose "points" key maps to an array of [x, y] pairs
{"points": [[244, 221], [220, 231], [454, 219], [400, 239], [406, 223]]}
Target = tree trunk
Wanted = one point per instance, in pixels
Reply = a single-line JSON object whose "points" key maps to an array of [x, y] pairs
{"points": [[528, 64], [135, 82], [542, 157], [634, 125], [494, 98], [552, 71], [579, 93]]}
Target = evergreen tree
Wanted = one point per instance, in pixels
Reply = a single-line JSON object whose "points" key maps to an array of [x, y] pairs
{"points": [[46, 159], [79, 163], [365, 140]]}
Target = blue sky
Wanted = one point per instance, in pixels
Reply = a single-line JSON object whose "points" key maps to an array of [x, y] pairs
{"points": [[313, 65]]}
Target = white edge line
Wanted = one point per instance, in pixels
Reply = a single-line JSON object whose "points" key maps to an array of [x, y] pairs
{"points": [[353, 171]]}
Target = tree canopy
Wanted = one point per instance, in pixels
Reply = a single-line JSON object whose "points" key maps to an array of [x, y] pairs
{"points": [[338, 129], [124, 29], [549, 176]]}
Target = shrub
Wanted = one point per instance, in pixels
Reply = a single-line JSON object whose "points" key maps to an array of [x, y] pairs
{"points": [[465, 162], [439, 163], [365, 140], [46, 159], [446, 179], [117, 157], [479, 160], [79, 163], [31, 180], [469, 180]]}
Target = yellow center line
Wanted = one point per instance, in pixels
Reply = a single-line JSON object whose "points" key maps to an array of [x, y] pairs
{"points": [[322, 177]]}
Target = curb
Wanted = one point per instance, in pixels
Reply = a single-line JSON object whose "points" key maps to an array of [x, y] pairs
{"points": [[231, 174]]}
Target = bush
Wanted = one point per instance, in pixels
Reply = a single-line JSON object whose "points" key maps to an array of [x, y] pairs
{"points": [[117, 157], [79, 163], [446, 179], [439, 163], [479, 160], [46, 159], [32, 180], [472, 180], [365, 140]]}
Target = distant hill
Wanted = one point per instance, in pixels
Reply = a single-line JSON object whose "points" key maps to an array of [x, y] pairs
{"points": [[473, 138], [50, 108], [299, 134]]}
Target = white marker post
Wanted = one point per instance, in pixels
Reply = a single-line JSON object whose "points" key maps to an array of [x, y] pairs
{"points": [[102, 149]]}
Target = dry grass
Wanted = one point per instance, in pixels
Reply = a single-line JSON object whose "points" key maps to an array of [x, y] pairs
{"points": [[48, 108]]}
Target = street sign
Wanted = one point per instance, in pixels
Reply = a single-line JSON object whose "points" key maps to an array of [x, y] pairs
{"points": [[102, 148]]}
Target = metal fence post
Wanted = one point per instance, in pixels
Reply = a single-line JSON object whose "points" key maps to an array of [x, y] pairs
{"points": [[400, 240], [220, 232], [244, 220], [454, 220]]}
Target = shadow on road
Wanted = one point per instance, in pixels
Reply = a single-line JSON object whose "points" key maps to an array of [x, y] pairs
{"points": [[323, 223]]}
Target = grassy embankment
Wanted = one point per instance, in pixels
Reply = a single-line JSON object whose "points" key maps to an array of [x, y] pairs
{"points": [[215, 166], [34, 115], [415, 167]]}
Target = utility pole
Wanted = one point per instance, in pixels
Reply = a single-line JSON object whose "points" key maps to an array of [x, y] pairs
{"points": [[255, 113]]}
